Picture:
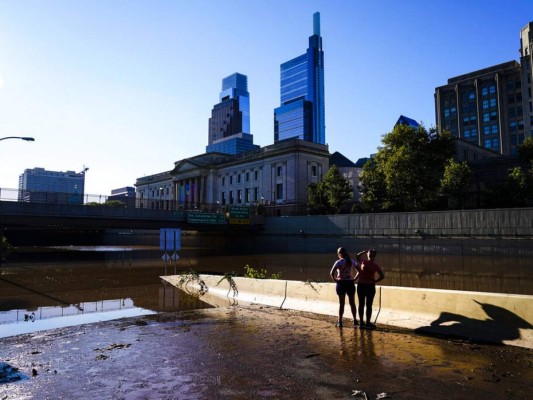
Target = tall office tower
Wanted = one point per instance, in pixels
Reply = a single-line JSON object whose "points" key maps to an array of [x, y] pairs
{"points": [[42, 186], [491, 107], [301, 114], [229, 125], [526, 61]]}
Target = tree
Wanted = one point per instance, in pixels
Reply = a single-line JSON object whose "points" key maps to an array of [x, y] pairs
{"points": [[515, 191], [456, 181], [337, 188], [525, 150], [408, 169], [372, 186], [329, 195]]}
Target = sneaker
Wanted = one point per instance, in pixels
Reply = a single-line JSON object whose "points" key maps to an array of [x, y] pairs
{"points": [[338, 324], [370, 325]]}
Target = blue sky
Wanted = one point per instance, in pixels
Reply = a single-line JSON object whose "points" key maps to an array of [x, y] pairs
{"points": [[126, 88]]}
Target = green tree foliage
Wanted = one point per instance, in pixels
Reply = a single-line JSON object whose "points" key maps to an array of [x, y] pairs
{"points": [[373, 187], [329, 195], [525, 150], [407, 170], [456, 182], [515, 191]]}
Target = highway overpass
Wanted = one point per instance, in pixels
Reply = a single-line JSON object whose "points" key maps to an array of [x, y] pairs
{"points": [[23, 215]]}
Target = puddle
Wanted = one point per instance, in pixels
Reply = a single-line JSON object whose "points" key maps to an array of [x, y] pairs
{"points": [[18, 322]]}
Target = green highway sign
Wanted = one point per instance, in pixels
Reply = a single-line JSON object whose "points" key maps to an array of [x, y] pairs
{"points": [[205, 218], [239, 215]]}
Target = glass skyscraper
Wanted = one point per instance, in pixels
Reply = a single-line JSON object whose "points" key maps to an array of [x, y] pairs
{"points": [[229, 125], [301, 114]]}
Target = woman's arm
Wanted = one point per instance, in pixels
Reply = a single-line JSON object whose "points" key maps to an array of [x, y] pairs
{"points": [[381, 275]]}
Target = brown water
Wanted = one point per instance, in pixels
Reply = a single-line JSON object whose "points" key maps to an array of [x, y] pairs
{"points": [[44, 287]]}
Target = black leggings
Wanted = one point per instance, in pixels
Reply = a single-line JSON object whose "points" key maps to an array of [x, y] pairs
{"points": [[365, 294]]}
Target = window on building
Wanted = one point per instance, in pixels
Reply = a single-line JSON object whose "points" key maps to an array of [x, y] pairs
{"points": [[466, 133], [238, 178], [231, 180], [279, 191], [247, 195], [485, 104], [279, 171], [494, 129], [484, 91], [256, 193], [313, 170], [471, 95], [247, 177], [231, 198], [486, 130], [492, 89], [239, 196], [486, 117], [492, 103], [256, 175], [223, 198]]}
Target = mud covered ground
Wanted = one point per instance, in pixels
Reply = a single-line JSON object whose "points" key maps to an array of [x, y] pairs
{"points": [[253, 352]]}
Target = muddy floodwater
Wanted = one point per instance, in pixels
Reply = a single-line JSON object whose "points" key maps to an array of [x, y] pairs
{"points": [[97, 322]]}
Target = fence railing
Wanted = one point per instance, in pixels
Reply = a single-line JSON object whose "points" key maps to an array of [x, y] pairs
{"points": [[154, 203]]}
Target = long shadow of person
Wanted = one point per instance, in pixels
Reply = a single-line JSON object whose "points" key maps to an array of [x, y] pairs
{"points": [[502, 325]]}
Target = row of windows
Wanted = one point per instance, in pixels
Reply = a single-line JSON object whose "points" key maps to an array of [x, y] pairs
{"points": [[247, 176], [516, 125], [493, 144], [489, 103], [470, 95], [490, 129], [470, 133], [450, 112], [248, 196], [236, 197]]}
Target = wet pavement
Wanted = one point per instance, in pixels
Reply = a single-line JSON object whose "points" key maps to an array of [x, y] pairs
{"points": [[254, 352]]}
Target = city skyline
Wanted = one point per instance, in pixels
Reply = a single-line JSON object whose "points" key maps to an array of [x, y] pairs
{"points": [[126, 88]]}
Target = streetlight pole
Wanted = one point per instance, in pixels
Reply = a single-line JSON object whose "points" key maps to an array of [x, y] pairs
{"points": [[26, 138]]}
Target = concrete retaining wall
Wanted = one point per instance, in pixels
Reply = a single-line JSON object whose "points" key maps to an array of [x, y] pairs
{"points": [[485, 223], [490, 317]]}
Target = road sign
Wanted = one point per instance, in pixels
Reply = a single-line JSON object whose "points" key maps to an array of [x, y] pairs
{"points": [[170, 239], [239, 215], [205, 218]]}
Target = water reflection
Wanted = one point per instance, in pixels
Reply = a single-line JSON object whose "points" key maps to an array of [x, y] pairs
{"points": [[67, 279]]}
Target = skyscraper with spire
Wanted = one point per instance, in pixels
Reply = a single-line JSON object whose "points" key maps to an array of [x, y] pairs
{"points": [[229, 125], [301, 113]]}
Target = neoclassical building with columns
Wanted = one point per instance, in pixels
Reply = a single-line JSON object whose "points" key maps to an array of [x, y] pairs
{"points": [[274, 175]]}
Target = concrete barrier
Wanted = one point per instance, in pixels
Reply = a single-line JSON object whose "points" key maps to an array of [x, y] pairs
{"points": [[490, 317]]}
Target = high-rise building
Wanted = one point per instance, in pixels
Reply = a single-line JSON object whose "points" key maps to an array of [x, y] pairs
{"points": [[40, 185], [491, 107], [526, 62], [229, 125], [301, 113]]}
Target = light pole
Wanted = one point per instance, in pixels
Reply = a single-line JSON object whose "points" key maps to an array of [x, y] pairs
{"points": [[26, 138]]}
